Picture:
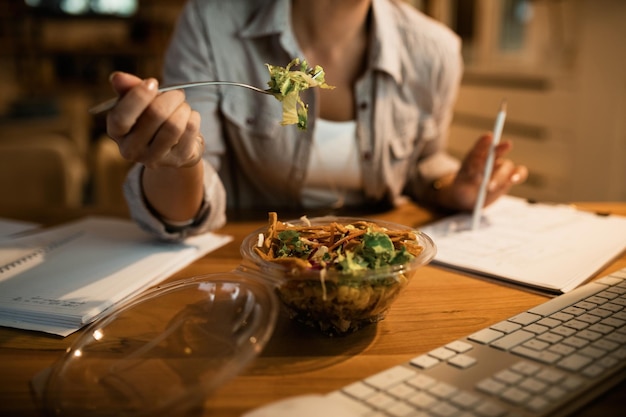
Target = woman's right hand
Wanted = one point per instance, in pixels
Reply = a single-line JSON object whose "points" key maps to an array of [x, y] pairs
{"points": [[157, 130]]}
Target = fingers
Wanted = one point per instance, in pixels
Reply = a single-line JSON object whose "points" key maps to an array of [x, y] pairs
{"points": [[151, 128], [122, 81], [505, 174], [473, 164]]}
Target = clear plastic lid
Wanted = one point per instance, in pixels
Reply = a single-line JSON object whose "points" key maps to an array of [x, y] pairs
{"points": [[163, 352]]}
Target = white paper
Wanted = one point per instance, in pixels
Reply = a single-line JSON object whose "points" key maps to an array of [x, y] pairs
{"points": [[548, 247], [9, 227], [76, 271]]}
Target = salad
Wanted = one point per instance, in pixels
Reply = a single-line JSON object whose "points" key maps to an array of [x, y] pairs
{"points": [[337, 274], [286, 84], [346, 248]]}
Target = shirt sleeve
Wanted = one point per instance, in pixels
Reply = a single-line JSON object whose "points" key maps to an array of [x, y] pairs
{"points": [[435, 161], [211, 215]]}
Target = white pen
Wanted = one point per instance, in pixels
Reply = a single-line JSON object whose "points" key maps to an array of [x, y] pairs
{"points": [[482, 191]]}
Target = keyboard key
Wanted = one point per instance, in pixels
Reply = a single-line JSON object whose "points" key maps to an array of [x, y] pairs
{"points": [[421, 381], [443, 409], [489, 409], [462, 361], [564, 331], [442, 390], [561, 349], [588, 318], [515, 395], [485, 336], [536, 344], [424, 361], [533, 385], [422, 400], [555, 393], [574, 362], [576, 324], [513, 339], [543, 356], [459, 346], [389, 377], [593, 371], [442, 353], [550, 375], [525, 318], [508, 377], [526, 368], [400, 409], [380, 400], [550, 337], [549, 322], [490, 386], [572, 383], [575, 341], [562, 316], [359, 390], [465, 399], [574, 311], [506, 326], [401, 391], [536, 328], [537, 404]]}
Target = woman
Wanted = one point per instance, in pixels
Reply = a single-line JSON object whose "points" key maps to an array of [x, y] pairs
{"points": [[378, 135]]}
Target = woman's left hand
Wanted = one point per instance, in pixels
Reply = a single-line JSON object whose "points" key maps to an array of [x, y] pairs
{"points": [[462, 190]]}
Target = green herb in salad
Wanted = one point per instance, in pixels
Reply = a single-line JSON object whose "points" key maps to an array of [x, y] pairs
{"points": [[286, 84]]}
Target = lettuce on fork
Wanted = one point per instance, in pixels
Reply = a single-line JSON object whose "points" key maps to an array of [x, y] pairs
{"points": [[286, 84]]}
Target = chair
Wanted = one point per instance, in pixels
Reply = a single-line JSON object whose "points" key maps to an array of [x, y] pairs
{"points": [[39, 171]]}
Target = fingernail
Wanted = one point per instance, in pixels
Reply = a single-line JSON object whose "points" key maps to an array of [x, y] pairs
{"points": [[515, 178], [493, 185], [151, 84], [112, 75]]}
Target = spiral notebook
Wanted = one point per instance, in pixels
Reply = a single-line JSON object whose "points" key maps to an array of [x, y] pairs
{"points": [[551, 248], [57, 280]]}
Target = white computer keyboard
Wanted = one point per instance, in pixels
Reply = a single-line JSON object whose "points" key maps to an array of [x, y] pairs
{"points": [[547, 361]]}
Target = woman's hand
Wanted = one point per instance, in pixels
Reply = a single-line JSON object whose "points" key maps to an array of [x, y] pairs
{"points": [[157, 130], [162, 132], [460, 191]]}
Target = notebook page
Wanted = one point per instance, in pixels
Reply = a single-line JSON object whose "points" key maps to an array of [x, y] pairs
{"points": [[554, 247], [9, 227], [109, 260]]}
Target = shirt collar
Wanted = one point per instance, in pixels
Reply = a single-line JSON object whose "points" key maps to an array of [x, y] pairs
{"points": [[385, 53], [274, 19]]}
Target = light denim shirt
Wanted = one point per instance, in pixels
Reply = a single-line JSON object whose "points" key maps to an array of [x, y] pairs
{"points": [[404, 103]]}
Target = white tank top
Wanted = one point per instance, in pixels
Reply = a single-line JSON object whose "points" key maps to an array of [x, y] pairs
{"points": [[334, 173]]}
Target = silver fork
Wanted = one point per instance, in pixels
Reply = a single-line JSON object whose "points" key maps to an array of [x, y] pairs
{"points": [[108, 105]]}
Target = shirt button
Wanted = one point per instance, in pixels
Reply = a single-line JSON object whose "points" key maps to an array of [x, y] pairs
{"points": [[250, 121], [367, 156], [363, 105]]}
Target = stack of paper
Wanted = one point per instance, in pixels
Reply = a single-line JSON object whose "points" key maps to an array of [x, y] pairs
{"points": [[59, 279], [552, 248]]}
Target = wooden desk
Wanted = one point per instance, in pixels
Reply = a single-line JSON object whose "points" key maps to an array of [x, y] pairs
{"points": [[438, 307]]}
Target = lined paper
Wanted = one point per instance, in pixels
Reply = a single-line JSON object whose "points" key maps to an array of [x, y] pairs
{"points": [[549, 247], [62, 278]]}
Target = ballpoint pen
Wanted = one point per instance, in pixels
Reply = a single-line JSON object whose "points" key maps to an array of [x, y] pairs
{"points": [[482, 191]]}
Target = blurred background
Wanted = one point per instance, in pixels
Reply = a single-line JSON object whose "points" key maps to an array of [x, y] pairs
{"points": [[560, 64]]}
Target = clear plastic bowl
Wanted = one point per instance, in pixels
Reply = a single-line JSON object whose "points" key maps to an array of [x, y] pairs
{"points": [[164, 352], [337, 303]]}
